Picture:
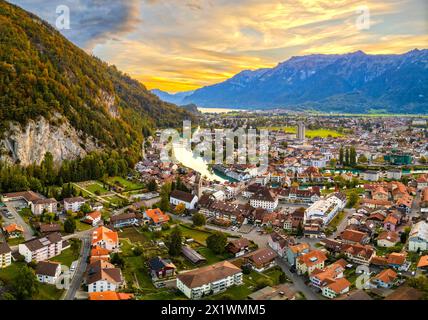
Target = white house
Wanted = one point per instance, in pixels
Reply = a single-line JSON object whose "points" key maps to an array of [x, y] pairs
{"points": [[48, 205], [336, 288], [43, 248], [102, 276], [5, 255], [48, 272], [418, 237], [105, 238], [264, 199], [188, 199], [208, 280], [73, 204], [371, 175], [394, 174]]}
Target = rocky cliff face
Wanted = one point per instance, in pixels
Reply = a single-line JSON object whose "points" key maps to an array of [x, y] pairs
{"points": [[30, 143]]}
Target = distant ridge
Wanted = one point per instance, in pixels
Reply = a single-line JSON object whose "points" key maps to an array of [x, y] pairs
{"points": [[353, 82]]}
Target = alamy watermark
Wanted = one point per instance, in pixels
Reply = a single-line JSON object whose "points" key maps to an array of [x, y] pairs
{"points": [[363, 19], [62, 21], [221, 146]]}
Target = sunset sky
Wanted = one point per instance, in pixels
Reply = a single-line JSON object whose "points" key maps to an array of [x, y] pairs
{"points": [[178, 45]]}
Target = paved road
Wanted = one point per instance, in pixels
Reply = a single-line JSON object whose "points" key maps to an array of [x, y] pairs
{"points": [[343, 223], [28, 232], [298, 281], [80, 270]]}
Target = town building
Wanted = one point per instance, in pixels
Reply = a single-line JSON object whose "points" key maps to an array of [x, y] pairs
{"points": [[209, 280], [73, 204], [48, 272], [43, 248]]}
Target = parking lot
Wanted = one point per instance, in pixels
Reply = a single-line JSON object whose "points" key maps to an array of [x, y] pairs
{"points": [[13, 217]]}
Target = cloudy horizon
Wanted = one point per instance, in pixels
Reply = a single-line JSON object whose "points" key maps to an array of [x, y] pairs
{"points": [[178, 45]]}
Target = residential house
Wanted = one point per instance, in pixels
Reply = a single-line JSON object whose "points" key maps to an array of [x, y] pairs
{"points": [[105, 238], [350, 236], [189, 200], [209, 280], [388, 239], [334, 271], [296, 250], [422, 263], [5, 255], [43, 248], [238, 247], [336, 287], [98, 253], [103, 276], [358, 253], [310, 261], [48, 272], [13, 231], [385, 279], [279, 243], [93, 218], [161, 268], [371, 175], [156, 218], [262, 259], [390, 223], [418, 237], [44, 205], [124, 220], [110, 296], [46, 228], [73, 204]]}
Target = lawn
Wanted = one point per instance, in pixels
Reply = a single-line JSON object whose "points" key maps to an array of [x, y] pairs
{"points": [[15, 241], [95, 187], [322, 133], [135, 236], [114, 200], [249, 286], [211, 256], [67, 256], [128, 185], [46, 292], [80, 226], [337, 219]]}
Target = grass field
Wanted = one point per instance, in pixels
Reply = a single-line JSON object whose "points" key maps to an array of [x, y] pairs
{"points": [[46, 292], [249, 286], [128, 185], [95, 187], [211, 256], [323, 133], [66, 257]]}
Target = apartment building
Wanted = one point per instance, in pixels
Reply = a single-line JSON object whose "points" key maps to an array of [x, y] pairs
{"points": [[43, 248], [209, 280]]}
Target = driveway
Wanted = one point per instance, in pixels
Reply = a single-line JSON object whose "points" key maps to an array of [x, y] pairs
{"points": [[298, 281], [343, 223], [28, 232]]}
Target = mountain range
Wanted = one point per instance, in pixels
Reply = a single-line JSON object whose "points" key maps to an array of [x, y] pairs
{"points": [[355, 82], [55, 97]]}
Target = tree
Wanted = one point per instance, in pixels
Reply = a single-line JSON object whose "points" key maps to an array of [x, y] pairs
{"points": [[86, 208], [175, 242], [353, 199], [217, 242], [199, 219], [352, 157], [347, 157], [362, 159], [333, 163], [117, 260], [164, 193], [262, 283], [26, 284], [70, 225], [282, 278], [152, 185], [341, 155], [180, 209]]}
